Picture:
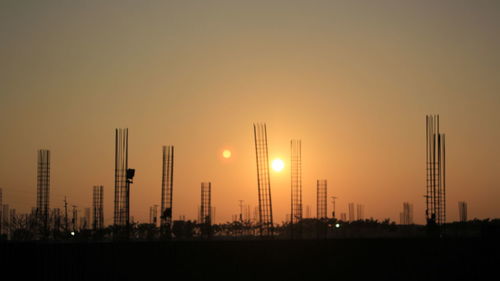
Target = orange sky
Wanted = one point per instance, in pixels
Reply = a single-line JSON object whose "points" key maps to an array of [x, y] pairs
{"points": [[353, 80]]}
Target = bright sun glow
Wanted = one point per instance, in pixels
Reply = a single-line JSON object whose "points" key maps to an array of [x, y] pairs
{"points": [[278, 165], [226, 154]]}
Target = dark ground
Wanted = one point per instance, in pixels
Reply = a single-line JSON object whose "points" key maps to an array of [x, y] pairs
{"points": [[334, 259]]}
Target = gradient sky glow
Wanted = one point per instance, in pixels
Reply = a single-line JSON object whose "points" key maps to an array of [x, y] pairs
{"points": [[352, 79]]}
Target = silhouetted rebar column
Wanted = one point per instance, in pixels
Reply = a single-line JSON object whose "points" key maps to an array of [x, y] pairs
{"points": [[98, 207], [43, 188], [56, 219], [352, 214], [153, 215], [321, 202], [206, 208], [263, 182], [296, 188], [1, 213], [167, 189], [462, 211], [121, 211], [74, 220], [333, 206], [360, 212], [407, 214], [343, 217], [86, 218], [436, 172], [5, 219]]}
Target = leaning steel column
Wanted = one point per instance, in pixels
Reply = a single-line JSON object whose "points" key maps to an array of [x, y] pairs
{"points": [[167, 189], [263, 182], [43, 188]]}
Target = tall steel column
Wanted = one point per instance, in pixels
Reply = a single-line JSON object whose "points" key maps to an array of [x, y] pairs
{"points": [[122, 209], [406, 217], [352, 214], [1, 213], [98, 207], [436, 172], [321, 204], [296, 186], [263, 182], [360, 212], [206, 208], [167, 180], [43, 187], [153, 215], [86, 218], [462, 211]]}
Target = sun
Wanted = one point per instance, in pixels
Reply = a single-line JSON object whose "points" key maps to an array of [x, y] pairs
{"points": [[278, 165], [226, 153]]}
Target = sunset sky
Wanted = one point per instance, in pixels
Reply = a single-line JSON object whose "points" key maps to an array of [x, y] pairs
{"points": [[352, 79]]}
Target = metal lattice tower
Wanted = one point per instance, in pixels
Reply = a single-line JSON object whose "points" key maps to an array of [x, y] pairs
{"points": [[436, 172], [321, 204], [206, 208], [263, 182], [167, 188], [98, 207], [43, 187], [122, 192], [462, 211]]}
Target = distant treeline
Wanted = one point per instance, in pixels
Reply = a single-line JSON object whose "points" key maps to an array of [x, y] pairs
{"points": [[27, 230]]}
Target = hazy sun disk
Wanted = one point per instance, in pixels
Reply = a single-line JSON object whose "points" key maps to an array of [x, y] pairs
{"points": [[226, 153], [278, 165]]}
